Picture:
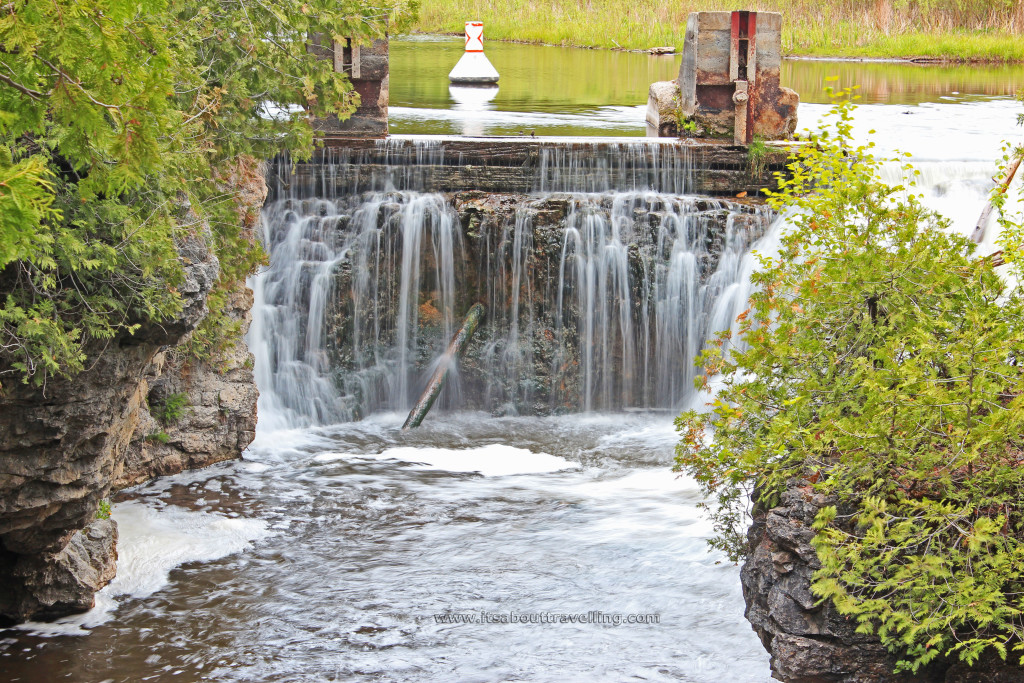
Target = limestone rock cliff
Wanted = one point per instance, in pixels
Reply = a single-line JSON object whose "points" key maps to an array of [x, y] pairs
{"points": [[218, 415], [62, 447], [812, 643], [66, 445], [53, 584]]}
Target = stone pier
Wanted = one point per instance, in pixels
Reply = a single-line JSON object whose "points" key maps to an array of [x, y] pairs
{"points": [[729, 82], [368, 70]]}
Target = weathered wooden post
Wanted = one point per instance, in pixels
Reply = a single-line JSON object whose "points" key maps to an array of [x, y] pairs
{"points": [[367, 68], [729, 81]]}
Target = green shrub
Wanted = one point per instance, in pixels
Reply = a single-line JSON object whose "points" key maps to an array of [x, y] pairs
{"points": [[757, 157], [171, 409], [880, 363], [104, 509], [158, 437], [120, 122]]}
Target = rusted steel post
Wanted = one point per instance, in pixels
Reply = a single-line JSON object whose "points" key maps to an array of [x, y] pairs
{"points": [[742, 71], [455, 348]]}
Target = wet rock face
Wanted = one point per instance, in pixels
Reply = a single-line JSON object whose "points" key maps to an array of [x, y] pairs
{"points": [[810, 642], [54, 584], [65, 446], [217, 415], [587, 297]]}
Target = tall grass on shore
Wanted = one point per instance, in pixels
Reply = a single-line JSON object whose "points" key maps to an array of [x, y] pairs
{"points": [[967, 30]]}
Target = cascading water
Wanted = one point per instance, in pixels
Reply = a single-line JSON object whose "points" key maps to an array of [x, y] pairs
{"points": [[646, 295], [595, 300], [390, 246], [339, 544]]}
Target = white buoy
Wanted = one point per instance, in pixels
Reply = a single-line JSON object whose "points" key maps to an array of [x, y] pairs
{"points": [[473, 67]]}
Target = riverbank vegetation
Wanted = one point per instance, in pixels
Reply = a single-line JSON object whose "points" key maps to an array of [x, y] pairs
{"points": [[120, 123], [881, 366], [957, 30]]}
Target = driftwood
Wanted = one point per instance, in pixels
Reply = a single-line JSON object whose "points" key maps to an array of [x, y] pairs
{"points": [[458, 343], [979, 230]]}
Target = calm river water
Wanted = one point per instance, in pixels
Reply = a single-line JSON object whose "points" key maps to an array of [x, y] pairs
{"points": [[326, 552]]}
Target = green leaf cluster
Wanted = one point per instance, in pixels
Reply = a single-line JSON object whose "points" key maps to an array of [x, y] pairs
{"points": [[170, 409], [880, 363], [120, 121]]}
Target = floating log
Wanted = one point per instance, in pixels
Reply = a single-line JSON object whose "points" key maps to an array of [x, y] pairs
{"points": [[455, 348], [979, 230]]}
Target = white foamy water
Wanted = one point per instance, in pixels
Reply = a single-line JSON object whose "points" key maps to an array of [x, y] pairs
{"points": [[151, 542], [495, 460]]}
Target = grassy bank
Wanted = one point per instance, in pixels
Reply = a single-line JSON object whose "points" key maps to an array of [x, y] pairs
{"points": [[959, 30]]}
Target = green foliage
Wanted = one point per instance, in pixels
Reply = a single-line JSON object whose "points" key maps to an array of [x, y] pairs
{"points": [[170, 409], [119, 122], [1011, 218], [879, 362], [158, 437], [757, 157], [104, 509], [956, 30]]}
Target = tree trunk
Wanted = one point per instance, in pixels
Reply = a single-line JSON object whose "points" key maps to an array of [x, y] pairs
{"points": [[455, 348], [979, 230]]}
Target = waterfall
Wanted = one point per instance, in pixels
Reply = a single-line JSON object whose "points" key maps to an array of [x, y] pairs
{"points": [[601, 285], [319, 365], [647, 297], [588, 167]]}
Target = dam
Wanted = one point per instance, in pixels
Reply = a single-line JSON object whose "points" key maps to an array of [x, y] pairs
{"points": [[340, 548]]}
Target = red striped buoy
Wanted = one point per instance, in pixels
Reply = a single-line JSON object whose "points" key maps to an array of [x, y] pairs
{"points": [[473, 68]]}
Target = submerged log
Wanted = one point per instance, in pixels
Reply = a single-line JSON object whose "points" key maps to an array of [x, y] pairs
{"points": [[979, 230], [458, 343]]}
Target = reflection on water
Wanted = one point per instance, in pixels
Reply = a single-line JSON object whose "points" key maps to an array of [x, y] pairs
{"points": [[543, 89], [571, 91], [902, 83], [472, 99], [534, 78]]}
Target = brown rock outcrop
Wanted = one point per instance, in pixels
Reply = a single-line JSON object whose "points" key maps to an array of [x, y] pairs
{"points": [[811, 642], [218, 418], [66, 445], [61, 445], [61, 448], [51, 585]]}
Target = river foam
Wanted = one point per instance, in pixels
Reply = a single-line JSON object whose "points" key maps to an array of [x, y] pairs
{"points": [[153, 541]]}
